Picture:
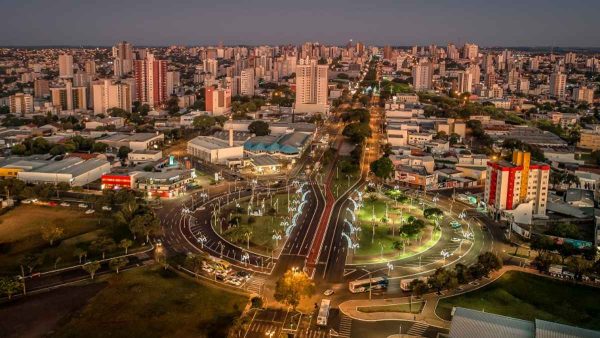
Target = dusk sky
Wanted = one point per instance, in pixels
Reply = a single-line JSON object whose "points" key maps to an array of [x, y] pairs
{"points": [[395, 22]]}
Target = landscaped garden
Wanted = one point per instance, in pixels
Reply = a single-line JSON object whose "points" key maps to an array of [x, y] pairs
{"points": [[390, 228], [526, 296], [414, 307], [253, 222]]}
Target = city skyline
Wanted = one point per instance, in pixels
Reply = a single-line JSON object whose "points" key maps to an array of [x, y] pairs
{"points": [[381, 22]]}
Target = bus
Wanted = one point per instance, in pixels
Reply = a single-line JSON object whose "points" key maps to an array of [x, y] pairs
{"points": [[323, 312], [405, 283], [363, 285]]}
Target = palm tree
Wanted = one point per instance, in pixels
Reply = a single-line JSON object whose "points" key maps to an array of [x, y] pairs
{"points": [[80, 253], [125, 244], [91, 268], [117, 263]]}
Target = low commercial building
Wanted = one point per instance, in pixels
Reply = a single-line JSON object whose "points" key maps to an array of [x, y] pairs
{"points": [[165, 184], [137, 141], [287, 145], [590, 138], [264, 165], [72, 170], [146, 155], [468, 323], [215, 150]]}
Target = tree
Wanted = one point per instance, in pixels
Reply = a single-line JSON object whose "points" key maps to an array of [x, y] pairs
{"points": [[441, 279], [433, 213], [172, 104], [99, 147], [357, 131], [125, 244], [117, 263], [9, 286], [383, 168], [79, 253], [204, 123], [51, 233], [292, 286], [91, 268], [102, 245], [579, 266], [123, 152], [146, 225], [195, 262], [566, 250], [489, 261], [259, 128], [418, 287], [461, 272]]}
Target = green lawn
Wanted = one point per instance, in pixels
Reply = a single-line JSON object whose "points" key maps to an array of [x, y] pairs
{"points": [[370, 250], [152, 302], [20, 235], [526, 296], [415, 307]]}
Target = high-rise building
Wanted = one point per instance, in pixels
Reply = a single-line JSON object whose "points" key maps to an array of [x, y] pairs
{"points": [[534, 63], [422, 74], [69, 97], [452, 52], [151, 80], [41, 88], [218, 100], [211, 66], [90, 67], [20, 103], [558, 83], [65, 66], [311, 87], [571, 58], [122, 58], [387, 52], [108, 94], [517, 190], [583, 94], [173, 81], [470, 51], [465, 82], [247, 82]]}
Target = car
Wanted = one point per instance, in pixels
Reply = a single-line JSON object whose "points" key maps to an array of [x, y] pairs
{"points": [[474, 283], [90, 211], [455, 239], [30, 200], [65, 204], [328, 292], [106, 208], [82, 205], [242, 274]]}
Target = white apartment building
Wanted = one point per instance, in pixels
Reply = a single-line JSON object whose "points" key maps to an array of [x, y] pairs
{"points": [[108, 94], [65, 66], [311, 87], [517, 191], [583, 94], [422, 75], [247, 82], [558, 83], [20, 103]]}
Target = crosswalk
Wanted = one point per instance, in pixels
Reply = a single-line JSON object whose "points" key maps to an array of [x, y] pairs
{"points": [[345, 326], [260, 328], [312, 334], [255, 284], [417, 329]]}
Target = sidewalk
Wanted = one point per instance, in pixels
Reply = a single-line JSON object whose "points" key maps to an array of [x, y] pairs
{"points": [[427, 315]]}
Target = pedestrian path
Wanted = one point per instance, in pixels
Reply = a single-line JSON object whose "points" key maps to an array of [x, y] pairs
{"points": [[345, 326], [418, 329], [255, 284]]}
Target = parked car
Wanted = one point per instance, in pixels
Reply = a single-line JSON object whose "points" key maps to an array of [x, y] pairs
{"points": [[82, 205], [106, 208], [328, 292], [65, 204], [90, 211]]}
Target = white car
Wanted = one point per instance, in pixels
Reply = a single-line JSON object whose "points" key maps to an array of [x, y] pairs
{"points": [[328, 292], [65, 204], [106, 208], [29, 200], [455, 239], [81, 205], [90, 211]]}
